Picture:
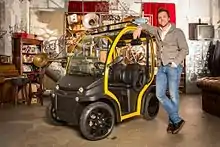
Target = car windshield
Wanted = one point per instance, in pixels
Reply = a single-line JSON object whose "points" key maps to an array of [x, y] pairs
{"points": [[89, 53]]}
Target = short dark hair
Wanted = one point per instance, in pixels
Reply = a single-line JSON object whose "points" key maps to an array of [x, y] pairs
{"points": [[163, 10]]}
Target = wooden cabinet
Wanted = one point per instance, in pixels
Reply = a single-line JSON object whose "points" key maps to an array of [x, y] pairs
{"points": [[23, 51]]}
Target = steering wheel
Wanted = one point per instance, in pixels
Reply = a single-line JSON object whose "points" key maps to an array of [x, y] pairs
{"points": [[117, 60], [101, 66]]}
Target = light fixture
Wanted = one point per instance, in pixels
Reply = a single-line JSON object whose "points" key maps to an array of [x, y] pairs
{"points": [[57, 87], [81, 89]]}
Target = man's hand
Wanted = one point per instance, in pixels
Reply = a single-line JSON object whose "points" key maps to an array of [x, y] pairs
{"points": [[137, 33], [172, 64]]}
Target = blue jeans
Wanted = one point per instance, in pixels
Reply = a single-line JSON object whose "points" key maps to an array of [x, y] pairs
{"points": [[169, 77]]}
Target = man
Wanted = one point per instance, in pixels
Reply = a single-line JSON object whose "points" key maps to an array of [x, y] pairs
{"points": [[171, 51]]}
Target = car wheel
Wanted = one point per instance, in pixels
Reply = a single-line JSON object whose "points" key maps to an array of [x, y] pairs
{"points": [[97, 121], [52, 117], [151, 106]]}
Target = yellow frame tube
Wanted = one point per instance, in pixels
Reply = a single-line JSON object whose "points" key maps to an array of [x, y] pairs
{"points": [[109, 93], [142, 92]]}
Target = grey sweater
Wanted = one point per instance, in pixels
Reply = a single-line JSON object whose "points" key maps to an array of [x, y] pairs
{"points": [[173, 48]]}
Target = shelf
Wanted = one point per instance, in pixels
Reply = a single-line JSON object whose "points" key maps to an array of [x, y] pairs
{"points": [[30, 53], [24, 50], [27, 62]]}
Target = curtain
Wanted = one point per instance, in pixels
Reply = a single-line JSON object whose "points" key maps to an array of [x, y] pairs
{"points": [[150, 11]]}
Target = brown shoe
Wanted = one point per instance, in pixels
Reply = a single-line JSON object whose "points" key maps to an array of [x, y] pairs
{"points": [[178, 127], [170, 128]]}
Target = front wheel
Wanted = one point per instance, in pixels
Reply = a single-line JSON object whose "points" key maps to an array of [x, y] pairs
{"points": [[151, 106], [52, 117], [97, 121]]}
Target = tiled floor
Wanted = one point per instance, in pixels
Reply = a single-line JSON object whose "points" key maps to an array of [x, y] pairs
{"points": [[26, 127]]}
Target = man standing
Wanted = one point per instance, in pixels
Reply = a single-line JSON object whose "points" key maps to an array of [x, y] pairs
{"points": [[171, 51]]}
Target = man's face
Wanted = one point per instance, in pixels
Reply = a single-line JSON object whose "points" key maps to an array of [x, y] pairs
{"points": [[163, 19]]}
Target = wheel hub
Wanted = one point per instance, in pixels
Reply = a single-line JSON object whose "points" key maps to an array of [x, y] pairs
{"points": [[99, 122]]}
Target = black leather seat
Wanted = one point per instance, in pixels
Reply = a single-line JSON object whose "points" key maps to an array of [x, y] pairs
{"points": [[115, 76], [216, 59], [213, 59], [124, 76]]}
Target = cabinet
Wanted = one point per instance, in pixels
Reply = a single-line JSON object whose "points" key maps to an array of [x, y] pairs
{"points": [[24, 50]]}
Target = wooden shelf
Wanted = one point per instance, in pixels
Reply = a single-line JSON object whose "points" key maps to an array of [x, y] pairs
{"points": [[24, 49]]}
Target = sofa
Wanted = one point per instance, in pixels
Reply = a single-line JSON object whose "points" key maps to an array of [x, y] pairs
{"points": [[210, 85]]}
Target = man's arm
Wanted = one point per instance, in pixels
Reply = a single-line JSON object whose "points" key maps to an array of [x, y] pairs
{"points": [[183, 47], [151, 29]]}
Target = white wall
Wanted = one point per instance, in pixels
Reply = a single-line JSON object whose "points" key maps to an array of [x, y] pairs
{"points": [[12, 17], [16, 16], [189, 11], [48, 3], [48, 25]]}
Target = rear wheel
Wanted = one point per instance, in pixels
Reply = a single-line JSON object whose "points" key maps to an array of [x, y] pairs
{"points": [[97, 121], [52, 117], [151, 106]]}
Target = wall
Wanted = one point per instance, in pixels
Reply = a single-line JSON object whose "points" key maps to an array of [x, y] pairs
{"points": [[47, 21], [12, 17], [47, 18], [49, 26]]}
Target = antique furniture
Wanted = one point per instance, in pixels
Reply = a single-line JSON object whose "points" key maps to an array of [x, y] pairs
{"points": [[24, 51], [210, 87], [10, 83]]}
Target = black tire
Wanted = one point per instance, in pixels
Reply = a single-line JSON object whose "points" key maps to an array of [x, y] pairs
{"points": [[51, 116], [85, 123], [151, 106]]}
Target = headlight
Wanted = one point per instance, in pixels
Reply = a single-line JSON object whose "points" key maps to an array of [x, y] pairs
{"points": [[81, 90], [77, 99], [57, 87], [53, 95]]}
